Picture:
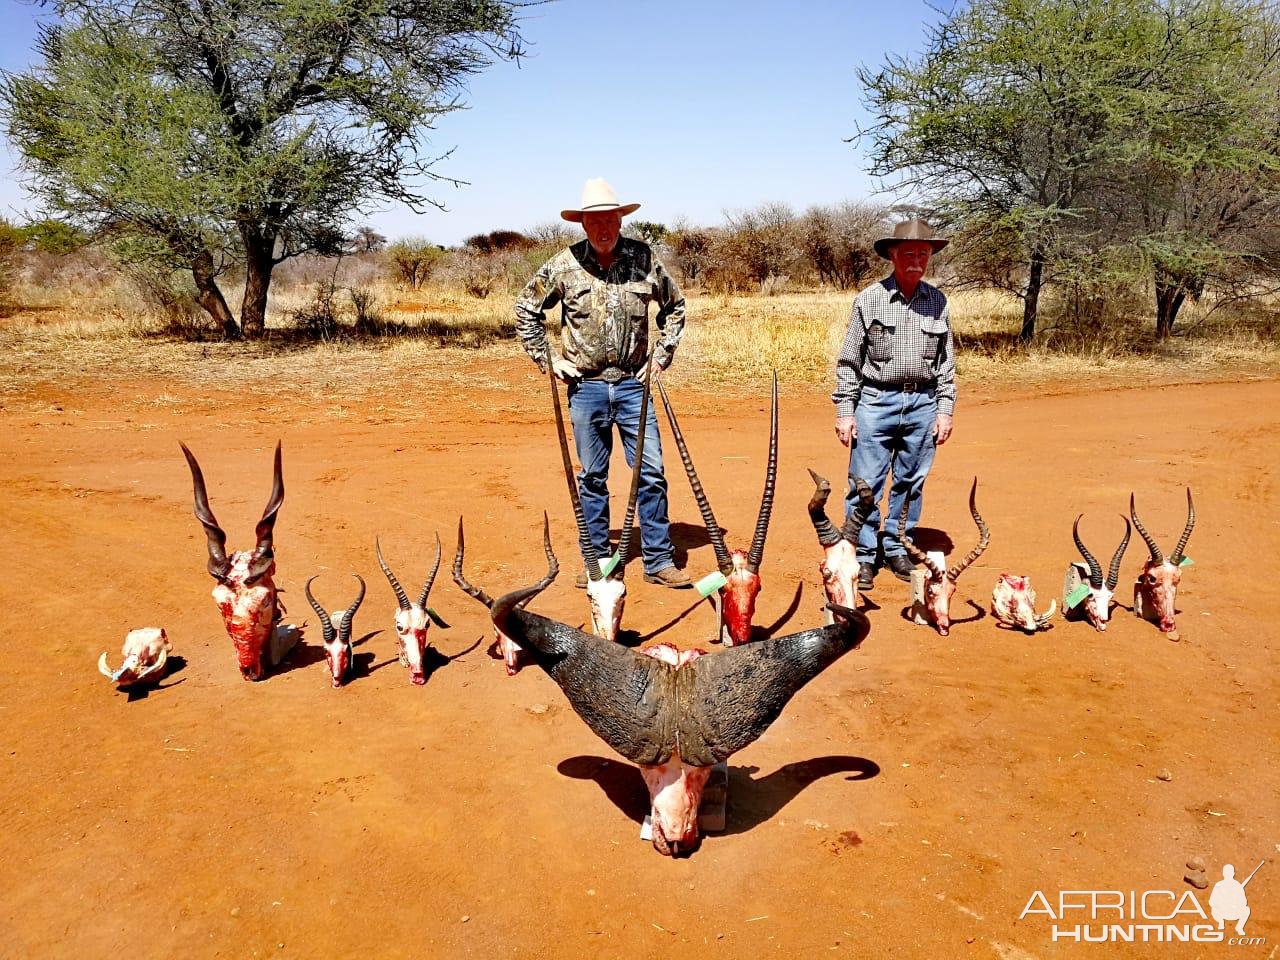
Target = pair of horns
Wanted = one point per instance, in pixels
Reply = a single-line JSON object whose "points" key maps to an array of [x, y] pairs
{"points": [[1156, 556], [343, 633], [477, 593], [401, 597], [919, 556], [828, 535], [263, 556], [1095, 568], [755, 556]]}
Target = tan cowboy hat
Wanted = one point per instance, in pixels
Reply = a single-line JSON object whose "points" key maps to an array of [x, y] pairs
{"points": [[910, 230], [598, 196]]}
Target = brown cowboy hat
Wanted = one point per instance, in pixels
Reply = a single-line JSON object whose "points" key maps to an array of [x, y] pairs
{"points": [[910, 230], [597, 195]]}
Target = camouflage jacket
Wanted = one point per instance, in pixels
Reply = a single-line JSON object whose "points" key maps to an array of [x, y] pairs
{"points": [[604, 314]]}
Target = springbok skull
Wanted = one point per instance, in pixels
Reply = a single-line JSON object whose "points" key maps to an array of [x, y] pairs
{"points": [[673, 714], [939, 583], [1013, 604], [337, 632], [839, 564], [1096, 605], [1156, 589], [412, 619], [245, 592], [737, 598], [145, 653]]}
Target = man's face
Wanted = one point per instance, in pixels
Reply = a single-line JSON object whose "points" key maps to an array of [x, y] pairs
{"points": [[603, 229], [910, 259]]}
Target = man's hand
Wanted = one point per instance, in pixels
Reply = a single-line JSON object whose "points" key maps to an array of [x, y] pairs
{"points": [[847, 429], [656, 367], [565, 370], [942, 428]]}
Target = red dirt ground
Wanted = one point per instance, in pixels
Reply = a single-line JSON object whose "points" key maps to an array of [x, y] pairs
{"points": [[907, 803]]}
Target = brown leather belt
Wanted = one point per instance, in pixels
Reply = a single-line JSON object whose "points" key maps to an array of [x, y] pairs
{"points": [[908, 386], [610, 375]]}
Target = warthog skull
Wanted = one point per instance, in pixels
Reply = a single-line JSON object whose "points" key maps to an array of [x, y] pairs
{"points": [[412, 619], [1096, 606], [940, 584], [1013, 604], [337, 632], [144, 655], [839, 565], [1156, 589]]}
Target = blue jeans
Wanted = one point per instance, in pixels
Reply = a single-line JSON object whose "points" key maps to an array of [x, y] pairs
{"points": [[596, 407], [895, 429]]}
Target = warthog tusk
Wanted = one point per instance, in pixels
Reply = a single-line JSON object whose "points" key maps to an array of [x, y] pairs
{"points": [[157, 667], [103, 668]]}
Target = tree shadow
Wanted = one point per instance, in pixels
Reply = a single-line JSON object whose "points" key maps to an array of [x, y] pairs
{"points": [[172, 665]]}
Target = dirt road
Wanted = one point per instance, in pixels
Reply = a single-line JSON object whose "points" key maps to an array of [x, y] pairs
{"points": [[907, 803]]}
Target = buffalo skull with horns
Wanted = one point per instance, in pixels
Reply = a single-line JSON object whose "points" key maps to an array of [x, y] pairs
{"points": [[337, 632], [839, 565], [940, 582], [1156, 590], [1099, 591], [412, 618]]}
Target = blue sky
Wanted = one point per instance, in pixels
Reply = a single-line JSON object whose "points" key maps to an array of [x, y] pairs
{"points": [[691, 108]]}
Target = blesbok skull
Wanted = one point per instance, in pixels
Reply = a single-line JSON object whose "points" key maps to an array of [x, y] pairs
{"points": [[839, 564], [245, 591], [337, 632], [1013, 604], [1099, 590], [940, 583], [412, 617], [694, 711], [1155, 592], [741, 570], [144, 655]]}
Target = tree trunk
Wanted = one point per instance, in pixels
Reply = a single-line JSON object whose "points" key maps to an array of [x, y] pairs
{"points": [[1031, 299], [259, 261], [1170, 296], [210, 297]]}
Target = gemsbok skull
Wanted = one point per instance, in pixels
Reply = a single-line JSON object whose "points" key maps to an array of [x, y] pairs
{"points": [[412, 617], [839, 565], [1156, 590], [940, 582], [337, 632], [1096, 591], [1013, 604], [736, 602], [143, 658], [674, 714], [245, 592]]}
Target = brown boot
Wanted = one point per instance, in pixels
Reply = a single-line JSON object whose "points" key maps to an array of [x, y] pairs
{"points": [[671, 576]]}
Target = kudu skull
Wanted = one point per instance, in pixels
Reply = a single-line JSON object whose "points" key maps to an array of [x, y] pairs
{"points": [[412, 617], [940, 582], [736, 603], [839, 564], [245, 592], [1099, 591], [1156, 590], [337, 632]]}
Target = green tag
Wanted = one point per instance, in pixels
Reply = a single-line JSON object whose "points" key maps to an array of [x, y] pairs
{"points": [[1074, 598], [710, 584], [608, 566], [1186, 562], [435, 618]]}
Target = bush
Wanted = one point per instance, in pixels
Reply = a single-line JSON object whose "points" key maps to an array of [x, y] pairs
{"points": [[413, 259]]}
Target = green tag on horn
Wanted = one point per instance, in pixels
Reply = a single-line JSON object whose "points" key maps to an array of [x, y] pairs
{"points": [[1186, 562], [710, 584], [435, 618], [608, 566], [1076, 596]]}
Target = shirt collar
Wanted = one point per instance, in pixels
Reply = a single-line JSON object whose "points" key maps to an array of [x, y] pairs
{"points": [[891, 284], [588, 258]]}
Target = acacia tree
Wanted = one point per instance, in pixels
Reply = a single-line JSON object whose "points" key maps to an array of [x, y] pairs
{"points": [[243, 129]]}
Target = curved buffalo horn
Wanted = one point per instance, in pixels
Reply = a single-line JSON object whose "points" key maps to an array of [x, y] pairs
{"points": [[828, 535], [866, 503], [325, 623], [103, 668], [344, 628], [402, 598], [219, 565], [915, 553], [1113, 574], [460, 580], [1156, 555], [1095, 568], [624, 540], [584, 535], [714, 533], [1186, 531], [756, 554], [431, 577], [984, 535]]}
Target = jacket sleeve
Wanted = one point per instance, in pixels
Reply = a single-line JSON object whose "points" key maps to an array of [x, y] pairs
{"points": [[670, 316], [849, 364], [946, 392], [540, 294]]}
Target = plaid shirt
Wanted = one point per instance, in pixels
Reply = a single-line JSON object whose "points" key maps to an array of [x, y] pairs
{"points": [[893, 340], [604, 314]]}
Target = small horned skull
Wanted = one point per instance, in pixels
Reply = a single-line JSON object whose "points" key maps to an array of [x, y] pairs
{"points": [[1096, 605], [145, 653], [1156, 589], [337, 632], [412, 618], [1013, 604], [940, 584]]}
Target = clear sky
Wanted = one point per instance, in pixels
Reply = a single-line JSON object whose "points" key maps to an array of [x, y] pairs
{"points": [[690, 108]]}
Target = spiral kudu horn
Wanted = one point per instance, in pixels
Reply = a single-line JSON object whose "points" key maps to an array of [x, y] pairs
{"points": [[402, 598], [584, 535], [756, 554], [1095, 568], [1113, 573], [1156, 555], [828, 535], [984, 535], [915, 553], [628, 521]]}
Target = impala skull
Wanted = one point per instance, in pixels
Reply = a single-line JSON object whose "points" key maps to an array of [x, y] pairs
{"points": [[940, 583], [412, 618], [1156, 591], [1096, 605], [337, 632]]}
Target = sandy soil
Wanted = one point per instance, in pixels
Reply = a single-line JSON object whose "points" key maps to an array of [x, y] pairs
{"points": [[907, 803]]}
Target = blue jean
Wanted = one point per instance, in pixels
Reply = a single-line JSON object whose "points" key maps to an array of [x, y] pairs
{"points": [[895, 430], [596, 407]]}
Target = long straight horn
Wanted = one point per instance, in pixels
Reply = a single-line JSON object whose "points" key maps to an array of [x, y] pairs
{"points": [[624, 540], [756, 554], [827, 534], [1095, 568], [1186, 531], [714, 533], [866, 503], [458, 577], [263, 556], [1156, 555], [1113, 574], [431, 577], [914, 552], [344, 628], [984, 535], [401, 597], [219, 565], [325, 623], [584, 535]]}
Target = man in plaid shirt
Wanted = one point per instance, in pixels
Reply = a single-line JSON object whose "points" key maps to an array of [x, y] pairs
{"points": [[895, 390]]}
